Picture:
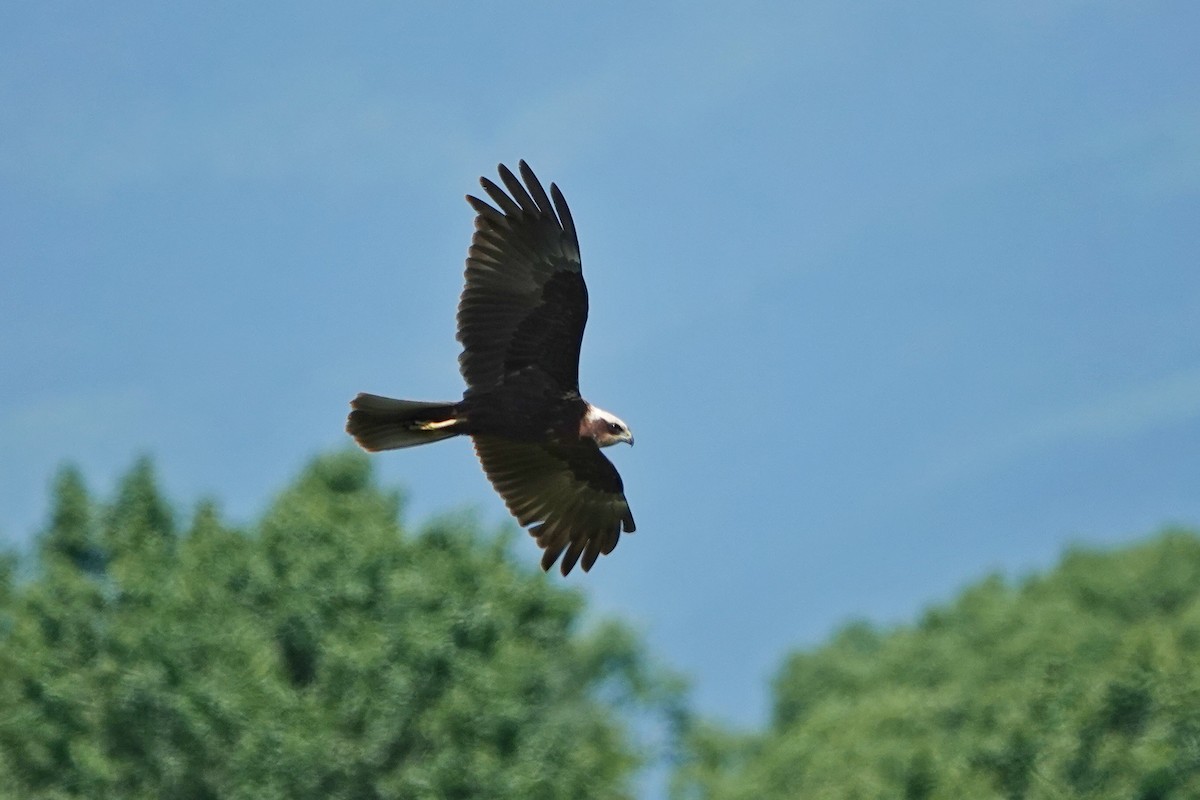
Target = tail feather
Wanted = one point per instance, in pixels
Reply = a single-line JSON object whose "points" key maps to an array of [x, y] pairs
{"points": [[381, 423]]}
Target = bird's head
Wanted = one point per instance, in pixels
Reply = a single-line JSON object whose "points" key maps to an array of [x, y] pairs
{"points": [[607, 429]]}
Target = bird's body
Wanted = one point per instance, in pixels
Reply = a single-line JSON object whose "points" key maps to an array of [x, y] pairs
{"points": [[520, 320]]}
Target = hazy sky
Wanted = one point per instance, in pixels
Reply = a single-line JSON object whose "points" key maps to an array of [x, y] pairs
{"points": [[892, 295]]}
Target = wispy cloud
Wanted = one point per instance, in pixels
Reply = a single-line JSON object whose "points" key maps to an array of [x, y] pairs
{"points": [[1123, 413], [1127, 412], [659, 80], [320, 125]]}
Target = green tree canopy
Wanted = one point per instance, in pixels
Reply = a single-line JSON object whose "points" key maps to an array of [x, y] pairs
{"points": [[325, 653], [1082, 683]]}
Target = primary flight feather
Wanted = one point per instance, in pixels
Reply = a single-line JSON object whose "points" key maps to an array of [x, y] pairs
{"points": [[520, 320]]}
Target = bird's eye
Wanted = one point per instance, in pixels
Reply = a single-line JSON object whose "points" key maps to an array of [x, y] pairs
{"points": [[614, 427]]}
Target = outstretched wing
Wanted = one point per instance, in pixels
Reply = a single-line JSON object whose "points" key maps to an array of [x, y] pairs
{"points": [[570, 493], [525, 303]]}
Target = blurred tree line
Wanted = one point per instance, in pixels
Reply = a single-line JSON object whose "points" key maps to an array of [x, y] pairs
{"points": [[328, 652], [1081, 683]]}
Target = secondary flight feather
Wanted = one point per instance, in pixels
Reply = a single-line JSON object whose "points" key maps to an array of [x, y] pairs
{"points": [[520, 321]]}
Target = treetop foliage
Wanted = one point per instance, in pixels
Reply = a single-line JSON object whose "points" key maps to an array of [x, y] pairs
{"points": [[328, 652], [1083, 682], [325, 653]]}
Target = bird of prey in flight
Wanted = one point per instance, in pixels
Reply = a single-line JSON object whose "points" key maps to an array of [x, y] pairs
{"points": [[520, 321]]}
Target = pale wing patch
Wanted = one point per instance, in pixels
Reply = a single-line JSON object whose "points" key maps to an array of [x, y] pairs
{"points": [[434, 426]]}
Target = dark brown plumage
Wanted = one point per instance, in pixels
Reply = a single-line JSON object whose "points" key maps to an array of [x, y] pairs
{"points": [[520, 320]]}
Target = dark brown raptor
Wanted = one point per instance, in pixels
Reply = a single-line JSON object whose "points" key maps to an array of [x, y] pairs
{"points": [[520, 320]]}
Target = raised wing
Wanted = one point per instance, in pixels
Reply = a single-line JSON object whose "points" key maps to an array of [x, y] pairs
{"points": [[570, 493], [525, 303]]}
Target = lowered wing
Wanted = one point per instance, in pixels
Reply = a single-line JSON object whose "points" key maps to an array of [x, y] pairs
{"points": [[570, 493]]}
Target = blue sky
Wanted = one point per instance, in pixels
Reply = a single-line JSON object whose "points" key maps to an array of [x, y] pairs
{"points": [[892, 296]]}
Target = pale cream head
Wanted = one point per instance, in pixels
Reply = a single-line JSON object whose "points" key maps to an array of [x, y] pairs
{"points": [[607, 429]]}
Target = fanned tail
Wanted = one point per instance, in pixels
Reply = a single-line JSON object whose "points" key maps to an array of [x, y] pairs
{"points": [[382, 423]]}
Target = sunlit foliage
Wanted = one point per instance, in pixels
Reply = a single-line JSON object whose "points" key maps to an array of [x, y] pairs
{"points": [[327, 652], [1081, 683]]}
